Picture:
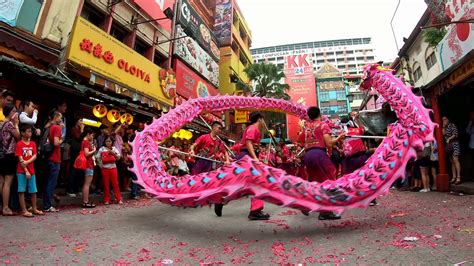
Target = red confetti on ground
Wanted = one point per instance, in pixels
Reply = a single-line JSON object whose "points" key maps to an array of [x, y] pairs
{"points": [[279, 223], [397, 214], [182, 244], [288, 213]]}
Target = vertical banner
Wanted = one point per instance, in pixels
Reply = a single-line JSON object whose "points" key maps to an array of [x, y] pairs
{"points": [[223, 22], [300, 77]]}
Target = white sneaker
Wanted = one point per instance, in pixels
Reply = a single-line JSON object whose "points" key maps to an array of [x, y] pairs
{"points": [[51, 209], [72, 195], [425, 190]]}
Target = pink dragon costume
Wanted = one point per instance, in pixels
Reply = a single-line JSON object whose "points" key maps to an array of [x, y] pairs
{"points": [[248, 177]]}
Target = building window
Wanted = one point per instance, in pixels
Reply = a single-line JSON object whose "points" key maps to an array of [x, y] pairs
{"points": [[431, 60], [140, 46], [118, 32], [28, 15], [341, 95], [417, 74], [324, 96], [92, 14], [160, 60]]}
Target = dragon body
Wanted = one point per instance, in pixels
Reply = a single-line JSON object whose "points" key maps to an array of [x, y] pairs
{"points": [[249, 177]]}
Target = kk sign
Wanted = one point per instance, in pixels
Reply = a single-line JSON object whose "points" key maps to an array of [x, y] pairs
{"points": [[298, 64], [299, 76], [94, 49]]}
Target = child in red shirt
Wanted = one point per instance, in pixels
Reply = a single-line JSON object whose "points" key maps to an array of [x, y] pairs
{"points": [[26, 152]]}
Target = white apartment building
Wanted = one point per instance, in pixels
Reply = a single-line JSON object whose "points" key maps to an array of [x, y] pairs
{"points": [[348, 55]]}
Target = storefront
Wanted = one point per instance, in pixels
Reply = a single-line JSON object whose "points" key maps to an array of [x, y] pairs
{"points": [[451, 94], [114, 69]]}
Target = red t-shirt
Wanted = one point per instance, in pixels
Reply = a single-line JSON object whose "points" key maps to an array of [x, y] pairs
{"points": [[90, 162], [353, 145], [313, 135], [55, 131], [209, 147], [26, 151], [251, 133]]}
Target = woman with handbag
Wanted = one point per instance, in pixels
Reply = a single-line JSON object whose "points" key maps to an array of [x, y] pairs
{"points": [[75, 143], [452, 148], [109, 155], [87, 151], [9, 134]]}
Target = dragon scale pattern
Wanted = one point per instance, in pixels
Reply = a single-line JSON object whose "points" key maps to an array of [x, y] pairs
{"points": [[248, 177]]}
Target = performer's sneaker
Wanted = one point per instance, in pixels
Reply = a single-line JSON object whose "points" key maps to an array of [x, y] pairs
{"points": [[258, 215], [374, 203], [329, 216], [218, 209]]}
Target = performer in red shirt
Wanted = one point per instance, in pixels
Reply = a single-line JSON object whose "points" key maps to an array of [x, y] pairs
{"points": [[250, 145], [209, 146], [355, 151], [317, 139]]}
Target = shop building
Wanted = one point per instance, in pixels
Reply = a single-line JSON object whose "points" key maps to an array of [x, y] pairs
{"points": [[332, 90], [451, 93], [443, 76], [87, 53]]}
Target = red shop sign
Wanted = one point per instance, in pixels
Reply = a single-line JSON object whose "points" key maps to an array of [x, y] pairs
{"points": [[191, 85]]}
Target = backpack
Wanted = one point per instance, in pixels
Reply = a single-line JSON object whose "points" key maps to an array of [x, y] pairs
{"points": [[45, 147]]}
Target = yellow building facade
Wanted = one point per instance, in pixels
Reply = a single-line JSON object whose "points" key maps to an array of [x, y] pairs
{"points": [[236, 56]]}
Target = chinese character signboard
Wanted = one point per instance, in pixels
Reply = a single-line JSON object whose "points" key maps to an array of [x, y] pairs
{"points": [[155, 9], [191, 85], [332, 85], [190, 51], [241, 117], [300, 77], [223, 22], [94, 49], [189, 19]]}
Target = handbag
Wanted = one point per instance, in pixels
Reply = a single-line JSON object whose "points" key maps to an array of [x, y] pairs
{"points": [[2, 148], [107, 158], [81, 161]]}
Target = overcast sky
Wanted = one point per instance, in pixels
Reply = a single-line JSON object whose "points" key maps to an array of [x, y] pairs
{"points": [[275, 22]]}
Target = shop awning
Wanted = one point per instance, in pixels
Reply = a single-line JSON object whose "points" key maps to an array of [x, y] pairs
{"points": [[24, 42], [70, 86]]}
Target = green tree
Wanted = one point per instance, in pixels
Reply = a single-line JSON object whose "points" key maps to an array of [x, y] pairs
{"points": [[433, 36], [266, 79]]}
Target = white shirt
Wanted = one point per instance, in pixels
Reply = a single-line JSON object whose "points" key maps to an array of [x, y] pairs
{"points": [[99, 158], [25, 119], [470, 131]]}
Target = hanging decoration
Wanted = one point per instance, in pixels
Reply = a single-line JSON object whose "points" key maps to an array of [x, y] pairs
{"points": [[113, 116], [99, 110], [126, 119]]}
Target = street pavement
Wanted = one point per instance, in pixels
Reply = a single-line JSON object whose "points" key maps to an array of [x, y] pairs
{"points": [[148, 232]]}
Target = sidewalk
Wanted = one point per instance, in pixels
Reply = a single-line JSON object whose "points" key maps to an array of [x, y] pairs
{"points": [[464, 187], [65, 200]]}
